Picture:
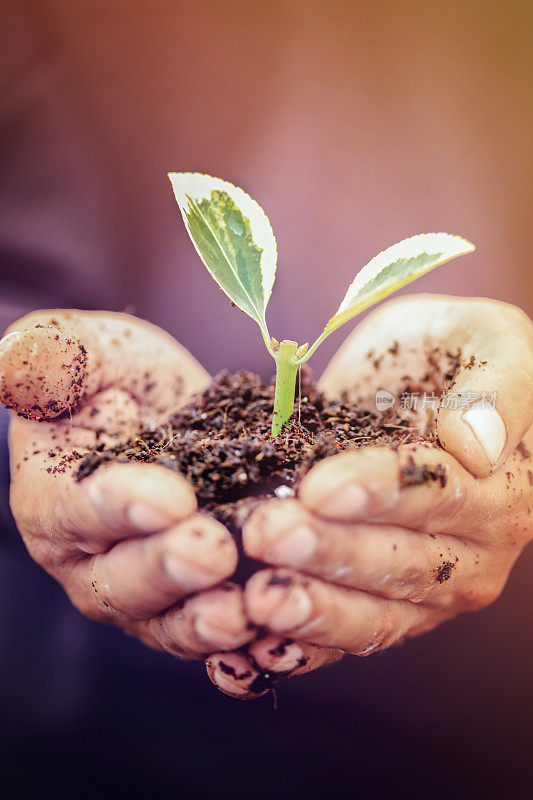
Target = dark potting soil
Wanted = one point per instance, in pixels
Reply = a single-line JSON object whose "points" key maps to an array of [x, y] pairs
{"points": [[221, 442]]}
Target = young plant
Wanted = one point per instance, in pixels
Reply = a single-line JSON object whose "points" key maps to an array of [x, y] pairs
{"points": [[233, 237]]}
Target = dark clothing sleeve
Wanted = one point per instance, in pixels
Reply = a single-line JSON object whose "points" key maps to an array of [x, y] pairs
{"points": [[9, 537]]}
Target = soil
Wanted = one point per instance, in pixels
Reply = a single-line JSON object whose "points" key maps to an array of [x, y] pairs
{"points": [[221, 442], [444, 572], [416, 474]]}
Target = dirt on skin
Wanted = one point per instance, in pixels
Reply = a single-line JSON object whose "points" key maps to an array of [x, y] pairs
{"points": [[33, 396], [416, 474], [221, 442]]}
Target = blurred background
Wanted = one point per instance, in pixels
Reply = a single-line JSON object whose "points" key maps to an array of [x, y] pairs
{"points": [[354, 125]]}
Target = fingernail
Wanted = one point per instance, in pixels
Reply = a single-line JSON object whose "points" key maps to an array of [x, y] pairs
{"points": [[141, 515], [231, 674], [488, 427], [187, 575], [294, 610], [290, 660], [213, 635], [368, 650], [7, 342], [293, 548], [227, 685], [348, 501], [147, 518]]}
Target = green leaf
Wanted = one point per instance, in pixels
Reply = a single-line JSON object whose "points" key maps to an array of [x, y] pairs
{"points": [[395, 267], [232, 236]]}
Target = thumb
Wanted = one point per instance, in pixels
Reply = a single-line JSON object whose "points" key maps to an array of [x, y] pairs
{"points": [[43, 372], [51, 360], [489, 406]]}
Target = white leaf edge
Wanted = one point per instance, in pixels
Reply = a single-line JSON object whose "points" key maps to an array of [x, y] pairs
{"points": [[447, 244], [199, 187]]}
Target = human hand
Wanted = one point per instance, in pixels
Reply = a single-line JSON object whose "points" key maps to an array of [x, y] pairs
{"points": [[416, 341], [362, 559], [126, 543]]}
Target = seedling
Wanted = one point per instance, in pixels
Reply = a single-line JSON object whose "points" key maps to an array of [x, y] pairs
{"points": [[234, 239]]}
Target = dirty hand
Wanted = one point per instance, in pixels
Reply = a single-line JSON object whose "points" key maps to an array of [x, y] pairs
{"points": [[125, 543], [382, 545]]}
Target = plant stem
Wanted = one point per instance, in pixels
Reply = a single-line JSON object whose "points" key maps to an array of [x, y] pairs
{"points": [[286, 369]]}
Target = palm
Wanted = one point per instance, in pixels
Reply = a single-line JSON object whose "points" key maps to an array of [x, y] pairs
{"points": [[126, 543]]}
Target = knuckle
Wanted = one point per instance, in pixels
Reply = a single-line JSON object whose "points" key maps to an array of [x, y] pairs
{"points": [[39, 550], [471, 596], [390, 625], [91, 610], [107, 605], [143, 633], [437, 491], [87, 603], [52, 556], [165, 628], [450, 500], [414, 585], [101, 606], [483, 594], [384, 635], [367, 645]]}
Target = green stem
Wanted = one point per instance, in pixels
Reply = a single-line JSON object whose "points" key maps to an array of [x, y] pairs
{"points": [[310, 350], [286, 369]]}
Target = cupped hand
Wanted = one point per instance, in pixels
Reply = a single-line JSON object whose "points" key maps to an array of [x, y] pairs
{"points": [[381, 544], [414, 344], [125, 543]]}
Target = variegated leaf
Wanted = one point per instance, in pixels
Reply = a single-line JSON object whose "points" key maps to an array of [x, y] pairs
{"points": [[232, 236], [395, 267]]}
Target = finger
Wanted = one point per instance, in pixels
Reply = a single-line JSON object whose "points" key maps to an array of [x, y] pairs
{"points": [[141, 577], [414, 339], [490, 403], [43, 372], [119, 501], [417, 487], [129, 499], [111, 350], [203, 624], [307, 609], [389, 561], [410, 343], [286, 658], [234, 675], [252, 674], [407, 338]]}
